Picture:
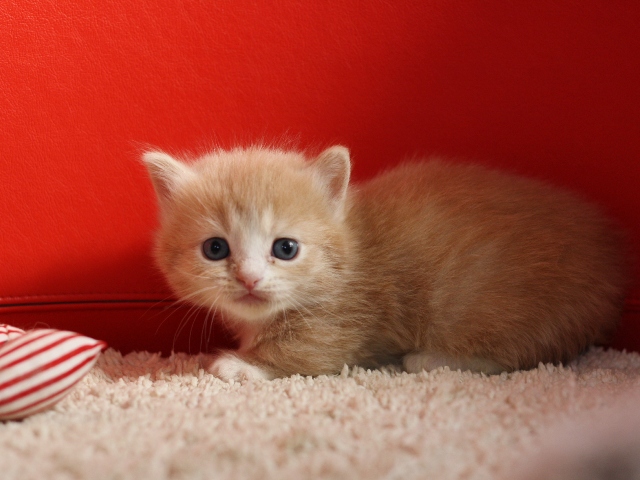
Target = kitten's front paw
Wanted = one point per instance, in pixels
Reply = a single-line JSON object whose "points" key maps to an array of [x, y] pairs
{"points": [[229, 366]]}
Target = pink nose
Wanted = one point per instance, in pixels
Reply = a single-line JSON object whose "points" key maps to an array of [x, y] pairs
{"points": [[249, 281]]}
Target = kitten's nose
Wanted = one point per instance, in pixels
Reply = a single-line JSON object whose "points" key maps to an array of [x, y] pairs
{"points": [[248, 280]]}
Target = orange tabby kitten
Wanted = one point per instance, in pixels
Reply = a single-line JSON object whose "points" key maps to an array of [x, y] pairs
{"points": [[429, 264]]}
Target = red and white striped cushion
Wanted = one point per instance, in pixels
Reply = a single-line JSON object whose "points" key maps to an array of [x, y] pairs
{"points": [[39, 367], [7, 332]]}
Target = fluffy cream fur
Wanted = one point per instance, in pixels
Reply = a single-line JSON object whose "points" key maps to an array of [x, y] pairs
{"points": [[429, 264]]}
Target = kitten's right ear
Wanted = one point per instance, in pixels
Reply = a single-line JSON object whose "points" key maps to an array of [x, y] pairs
{"points": [[166, 173], [334, 167]]}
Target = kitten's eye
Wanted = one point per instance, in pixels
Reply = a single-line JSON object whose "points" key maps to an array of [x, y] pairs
{"points": [[215, 248], [285, 248]]}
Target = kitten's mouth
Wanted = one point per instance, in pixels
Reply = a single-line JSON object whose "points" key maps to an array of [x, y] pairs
{"points": [[251, 299]]}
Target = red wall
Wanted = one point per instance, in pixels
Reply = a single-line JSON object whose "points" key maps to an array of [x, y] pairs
{"points": [[548, 89]]}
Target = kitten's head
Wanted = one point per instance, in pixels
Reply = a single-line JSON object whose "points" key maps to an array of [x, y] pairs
{"points": [[252, 232]]}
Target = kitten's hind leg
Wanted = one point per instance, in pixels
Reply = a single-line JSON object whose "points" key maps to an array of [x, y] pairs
{"points": [[416, 362]]}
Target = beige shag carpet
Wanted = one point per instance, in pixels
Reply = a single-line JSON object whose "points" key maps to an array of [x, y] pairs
{"points": [[145, 417]]}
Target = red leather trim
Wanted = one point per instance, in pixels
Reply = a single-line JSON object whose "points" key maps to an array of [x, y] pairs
{"points": [[81, 298]]}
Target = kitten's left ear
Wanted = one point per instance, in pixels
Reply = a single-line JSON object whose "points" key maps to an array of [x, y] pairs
{"points": [[334, 167], [166, 173]]}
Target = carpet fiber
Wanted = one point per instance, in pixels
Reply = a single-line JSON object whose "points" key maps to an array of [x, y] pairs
{"points": [[143, 416]]}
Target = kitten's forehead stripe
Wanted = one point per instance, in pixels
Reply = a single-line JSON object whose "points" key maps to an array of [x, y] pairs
{"points": [[233, 188]]}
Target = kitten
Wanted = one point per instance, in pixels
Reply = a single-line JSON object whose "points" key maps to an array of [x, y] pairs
{"points": [[430, 264]]}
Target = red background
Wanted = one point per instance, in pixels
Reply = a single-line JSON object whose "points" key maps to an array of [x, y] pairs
{"points": [[547, 89]]}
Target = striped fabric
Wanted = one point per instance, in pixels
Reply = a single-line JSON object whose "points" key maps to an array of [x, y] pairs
{"points": [[7, 332], [39, 367]]}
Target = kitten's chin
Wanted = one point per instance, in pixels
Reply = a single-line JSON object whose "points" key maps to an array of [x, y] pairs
{"points": [[250, 308]]}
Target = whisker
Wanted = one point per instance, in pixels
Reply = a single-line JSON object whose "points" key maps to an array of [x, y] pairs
{"points": [[193, 324], [195, 275], [183, 323], [297, 306], [287, 322], [173, 304], [196, 293], [207, 328], [191, 313]]}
